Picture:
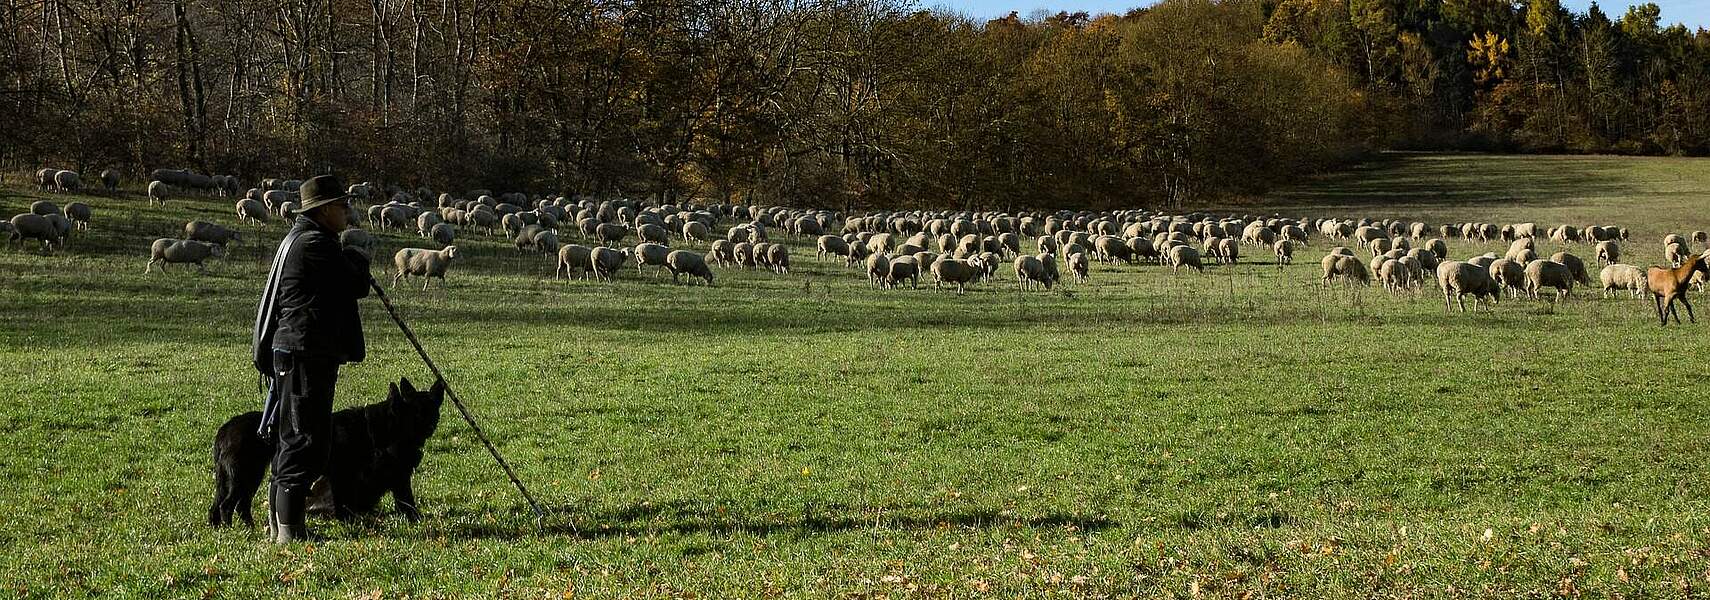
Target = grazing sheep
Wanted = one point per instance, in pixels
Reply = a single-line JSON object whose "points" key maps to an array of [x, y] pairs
{"points": [[1608, 253], [1459, 279], [252, 212], [1575, 266], [653, 233], [650, 254], [79, 213], [423, 263], [1030, 270], [1624, 277], [1284, 251], [831, 245], [878, 269], [424, 222], [904, 267], [947, 270], [1483, 261], [544, 241], [1078, 265], [723, 252], [1229, 250], [445, 233], [1346, 268], [157, 193], [1510, 274], [683, 262], [696, 231], [607, 262], [110, 180], [744, 253], [1676, 253], [1544, 273], [1185, 256], [1394, 275], [574, 257], [360, 240], [67, 181], [33, 226], [170, 251], [778, 257], [44, 208], [203, 231], [609, 234]]}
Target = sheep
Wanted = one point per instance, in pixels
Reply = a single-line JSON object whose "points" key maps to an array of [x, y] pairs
{"points": [[44, 208], [1608, 253], [1624, 277], [695, 231], [110, 180], [1394, 275], [831, 245], [1483, 261], [1460, 278], [203, 231], [653, 233], [1078, 265], [1284, 251], [904, 267], [574, 257], [545, 241], [1229, 250], [1576, 267], [1185, 256], [609, 235], [744, 253], [253, 212], [683, 262], [778, 257], [650, 254], [79, 213], [424, 263], [425, 223], [878, 269], [33, 226], [1344, 267], [1676, 254], [947, 270], [157, 193], [1543, 273], [167, 251], [445, 233], [723, 252], [1030, 270], [607, 262], [1510, 274], [67, 181], [360, 240]]}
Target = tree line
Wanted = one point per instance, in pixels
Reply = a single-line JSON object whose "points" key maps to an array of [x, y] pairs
{"points": [[844, 103]]}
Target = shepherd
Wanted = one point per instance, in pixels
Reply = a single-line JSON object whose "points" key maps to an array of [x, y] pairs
{"points": [[306, 326]]}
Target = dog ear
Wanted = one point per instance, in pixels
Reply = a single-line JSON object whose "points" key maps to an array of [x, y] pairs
{"points": [[438, 388], [409, 390], [392, 391]]}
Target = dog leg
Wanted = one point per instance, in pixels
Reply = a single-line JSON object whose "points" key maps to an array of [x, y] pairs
{"points": [[404, 497]]}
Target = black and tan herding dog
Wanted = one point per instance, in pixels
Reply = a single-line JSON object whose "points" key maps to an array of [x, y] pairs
{"points": [[375, 450]]}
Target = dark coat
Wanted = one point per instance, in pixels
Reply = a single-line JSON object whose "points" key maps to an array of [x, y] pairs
{"points": [[309, 305]]}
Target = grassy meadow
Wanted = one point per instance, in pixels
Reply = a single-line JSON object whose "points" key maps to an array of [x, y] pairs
{"points": [[1239, 434]]}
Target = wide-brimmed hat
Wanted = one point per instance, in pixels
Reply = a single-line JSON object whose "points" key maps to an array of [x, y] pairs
{"points": [[321, 190]]}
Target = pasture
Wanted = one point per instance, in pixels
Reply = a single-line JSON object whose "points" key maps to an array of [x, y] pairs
{"points": [[1241, 433]]}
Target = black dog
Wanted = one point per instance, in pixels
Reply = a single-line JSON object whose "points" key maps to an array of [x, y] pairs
{"points": [[375, 449]]}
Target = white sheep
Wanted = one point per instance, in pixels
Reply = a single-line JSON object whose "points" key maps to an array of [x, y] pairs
{"points": [[683, 262], [170, 251], [1544, 273], [424, 263], [157, 193], [1459, 279], [1624, 277]]}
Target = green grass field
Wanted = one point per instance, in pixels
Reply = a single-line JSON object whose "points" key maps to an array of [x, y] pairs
{"points": [[1243, 433]]}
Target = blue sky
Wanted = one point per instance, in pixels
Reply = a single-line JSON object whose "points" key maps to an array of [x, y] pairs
{"points": [[1694, 13]]}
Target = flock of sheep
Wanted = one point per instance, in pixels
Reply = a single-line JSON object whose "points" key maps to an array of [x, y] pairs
{"points": [[895, 248]]}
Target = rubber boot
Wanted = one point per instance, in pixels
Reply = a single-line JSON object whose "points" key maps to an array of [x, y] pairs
{"points": [[291, 526]]}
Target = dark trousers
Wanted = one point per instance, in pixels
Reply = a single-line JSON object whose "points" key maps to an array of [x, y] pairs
{"points": [[303, 431]]}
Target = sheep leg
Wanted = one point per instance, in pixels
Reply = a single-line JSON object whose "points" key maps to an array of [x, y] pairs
{"points": [[150, 267]]}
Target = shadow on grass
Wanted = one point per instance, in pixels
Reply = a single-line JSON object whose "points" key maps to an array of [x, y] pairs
{"points": [[702, 518], [1447, 179]]}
